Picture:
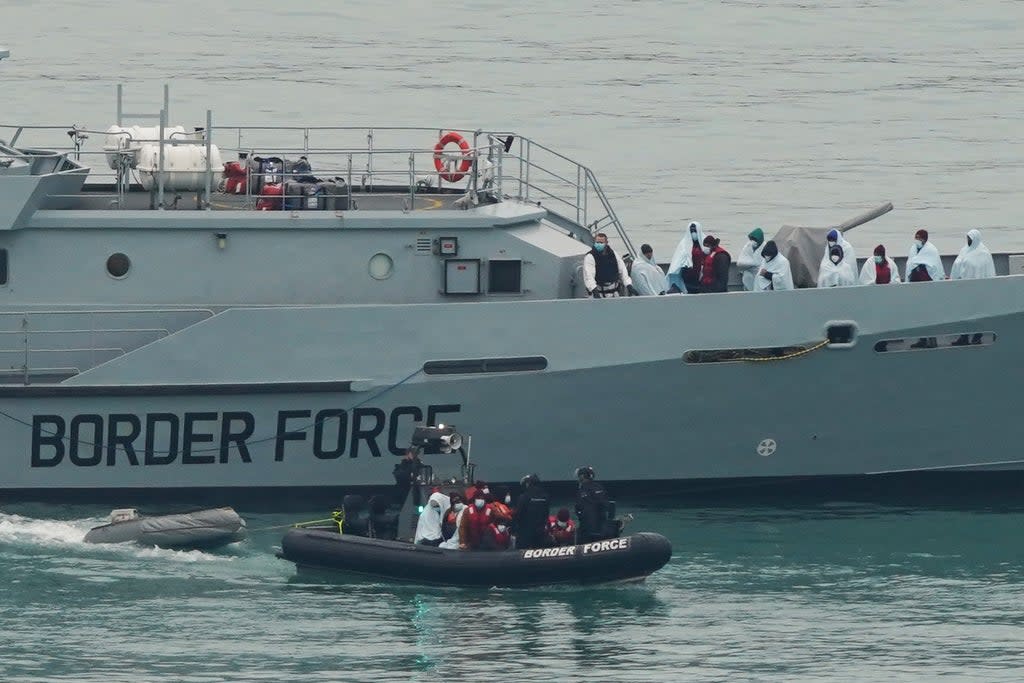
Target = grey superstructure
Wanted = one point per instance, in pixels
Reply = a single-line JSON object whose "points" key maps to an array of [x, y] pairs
{"points": [[202, 344]]}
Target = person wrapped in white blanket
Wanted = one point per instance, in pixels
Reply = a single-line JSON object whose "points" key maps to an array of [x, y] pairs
{"points": [[835, 271], [973, 262], [848, 257], [775, 273], [648, 277], [880, 269]]}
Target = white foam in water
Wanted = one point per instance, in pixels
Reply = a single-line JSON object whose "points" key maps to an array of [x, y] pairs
{"points": [[57, 533], [16, 529]]}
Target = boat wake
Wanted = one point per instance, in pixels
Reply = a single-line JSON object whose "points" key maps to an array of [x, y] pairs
{"points": [[65, 535]]}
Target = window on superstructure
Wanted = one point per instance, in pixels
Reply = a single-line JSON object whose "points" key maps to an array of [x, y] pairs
{"points": [[3, 266], [504, 276]]}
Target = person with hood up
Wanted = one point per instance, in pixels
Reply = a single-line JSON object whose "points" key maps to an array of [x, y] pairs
{"points": [[836, 272], [775, 272], [684, 268], [880, 269], [715, 270], [974, 260], [604, 272], [923, 262], [834, 239], [750, 258], [428, 528], [648, 277]]}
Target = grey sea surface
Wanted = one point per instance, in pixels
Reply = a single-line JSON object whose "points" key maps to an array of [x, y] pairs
{"points": [[736, 113], [827, 592], [732, 113]]}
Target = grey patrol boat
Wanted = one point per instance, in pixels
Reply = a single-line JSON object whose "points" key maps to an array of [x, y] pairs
{"points": [[159, 331]]}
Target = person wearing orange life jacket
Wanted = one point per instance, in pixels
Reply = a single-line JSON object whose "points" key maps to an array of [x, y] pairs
{"points": [[495, 536], [561, 529], [450, 525], [499, 504], [714, 276], [474, 523]]}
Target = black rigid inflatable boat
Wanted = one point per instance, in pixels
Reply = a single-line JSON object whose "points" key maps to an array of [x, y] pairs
{"points": [[628, 558], [381, 545]]}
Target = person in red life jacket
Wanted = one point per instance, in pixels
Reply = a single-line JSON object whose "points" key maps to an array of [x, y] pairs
{"points": [[499, 504], [495, 536], [478, 486], [604, 272], [561, 529], [714, 275], [474, 523]]}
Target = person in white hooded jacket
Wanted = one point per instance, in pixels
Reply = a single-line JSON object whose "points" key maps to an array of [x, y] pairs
{"points": [[835, 271], [833, 239], [974, 260], [687, 259], [428, 527], [648, 277], [775, 273], [749, 261]]}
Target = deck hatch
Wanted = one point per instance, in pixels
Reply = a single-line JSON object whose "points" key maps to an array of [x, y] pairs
{"points": [[483, 365]]}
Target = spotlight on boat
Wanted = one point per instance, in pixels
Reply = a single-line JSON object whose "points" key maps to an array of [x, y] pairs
{"points": [[435, 440]]}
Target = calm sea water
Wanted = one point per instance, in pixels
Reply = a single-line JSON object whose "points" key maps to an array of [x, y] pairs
{"points": [[836, 592], [733, 113]]}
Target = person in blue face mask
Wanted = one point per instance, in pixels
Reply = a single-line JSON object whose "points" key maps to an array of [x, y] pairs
{"points": [[604, 272]]}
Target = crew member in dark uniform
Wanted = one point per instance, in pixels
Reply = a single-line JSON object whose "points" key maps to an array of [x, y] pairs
{"points": [[406, 472], [604, 272], [593, 509], [531, 514]]}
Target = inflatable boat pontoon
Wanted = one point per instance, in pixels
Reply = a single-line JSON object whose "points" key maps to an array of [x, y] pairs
{"points": [[200, 529]]}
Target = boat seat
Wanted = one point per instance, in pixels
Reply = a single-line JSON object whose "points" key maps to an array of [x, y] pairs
{"points": [[356, 518], [383, 523]]}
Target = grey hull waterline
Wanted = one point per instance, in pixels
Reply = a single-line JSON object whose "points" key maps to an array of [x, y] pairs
{"points": [[202, 529], [176, 320]]}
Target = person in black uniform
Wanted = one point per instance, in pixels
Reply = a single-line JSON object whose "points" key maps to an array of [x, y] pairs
{"points": [[531, 514], [593, 509], [406, 472]]}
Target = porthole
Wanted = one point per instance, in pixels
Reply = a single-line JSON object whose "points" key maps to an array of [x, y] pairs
{"points": [[381, 266], [118, 265]]}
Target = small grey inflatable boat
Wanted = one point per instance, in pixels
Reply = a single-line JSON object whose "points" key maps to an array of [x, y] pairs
{"points": [[200, 529]]}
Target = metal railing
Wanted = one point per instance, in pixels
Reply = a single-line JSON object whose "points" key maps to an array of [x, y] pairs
{"points": [[501, 165], [89, 336]]}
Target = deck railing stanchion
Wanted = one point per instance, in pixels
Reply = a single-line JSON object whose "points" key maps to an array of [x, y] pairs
{"points": [[160, 164], [207, 204]]}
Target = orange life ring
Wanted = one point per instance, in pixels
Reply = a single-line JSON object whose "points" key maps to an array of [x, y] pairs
{"points": [[445, 171]]}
